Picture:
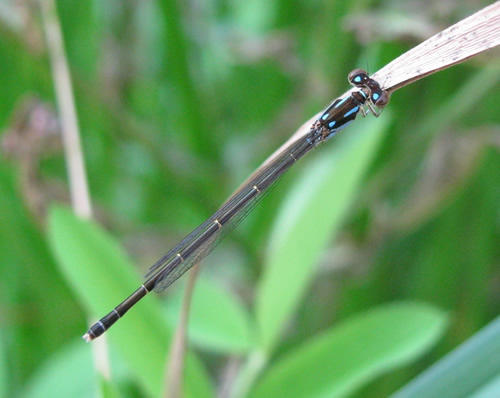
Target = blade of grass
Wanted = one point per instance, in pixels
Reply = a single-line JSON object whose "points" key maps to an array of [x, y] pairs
{"points": [[465, 370]]}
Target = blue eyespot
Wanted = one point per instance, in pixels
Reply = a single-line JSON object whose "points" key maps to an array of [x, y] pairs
{"points": [[376, 96]]}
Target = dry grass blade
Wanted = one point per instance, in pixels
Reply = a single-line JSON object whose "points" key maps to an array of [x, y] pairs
{"points": [[467, 38]]}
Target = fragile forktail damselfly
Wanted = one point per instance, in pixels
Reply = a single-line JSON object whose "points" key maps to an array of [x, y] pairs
{"points": [[199, 243]]}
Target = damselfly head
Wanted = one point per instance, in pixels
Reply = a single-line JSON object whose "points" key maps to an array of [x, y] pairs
{"points": [[379, 97], [358, 77], [371, 88]]}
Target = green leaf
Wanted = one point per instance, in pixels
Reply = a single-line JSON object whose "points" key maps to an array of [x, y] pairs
{"points": [[217, 321], [470, 368], [102, 276], [354, 353], [307, 222], [68, 373]]}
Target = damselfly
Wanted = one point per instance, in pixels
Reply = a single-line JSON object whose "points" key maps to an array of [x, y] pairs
{"points": [[369, 96]]}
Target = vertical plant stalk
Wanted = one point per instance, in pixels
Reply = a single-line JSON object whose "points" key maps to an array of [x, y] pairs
{"points": [[77, 178], [176, 359]]}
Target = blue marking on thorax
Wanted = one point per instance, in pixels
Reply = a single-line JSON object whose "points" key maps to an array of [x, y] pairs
{"points": [[325, 116], [341, 101], [353, 110], [331, 124]]}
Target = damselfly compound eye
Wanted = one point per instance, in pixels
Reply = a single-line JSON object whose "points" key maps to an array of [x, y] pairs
{"points": [[358, 77], [380, 98]]}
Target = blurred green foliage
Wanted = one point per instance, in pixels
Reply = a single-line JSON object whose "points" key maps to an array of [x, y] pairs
{"points": [[178, 102]]}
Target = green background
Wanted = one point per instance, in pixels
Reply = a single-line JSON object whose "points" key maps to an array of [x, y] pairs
{"points": [[390, 228]]}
